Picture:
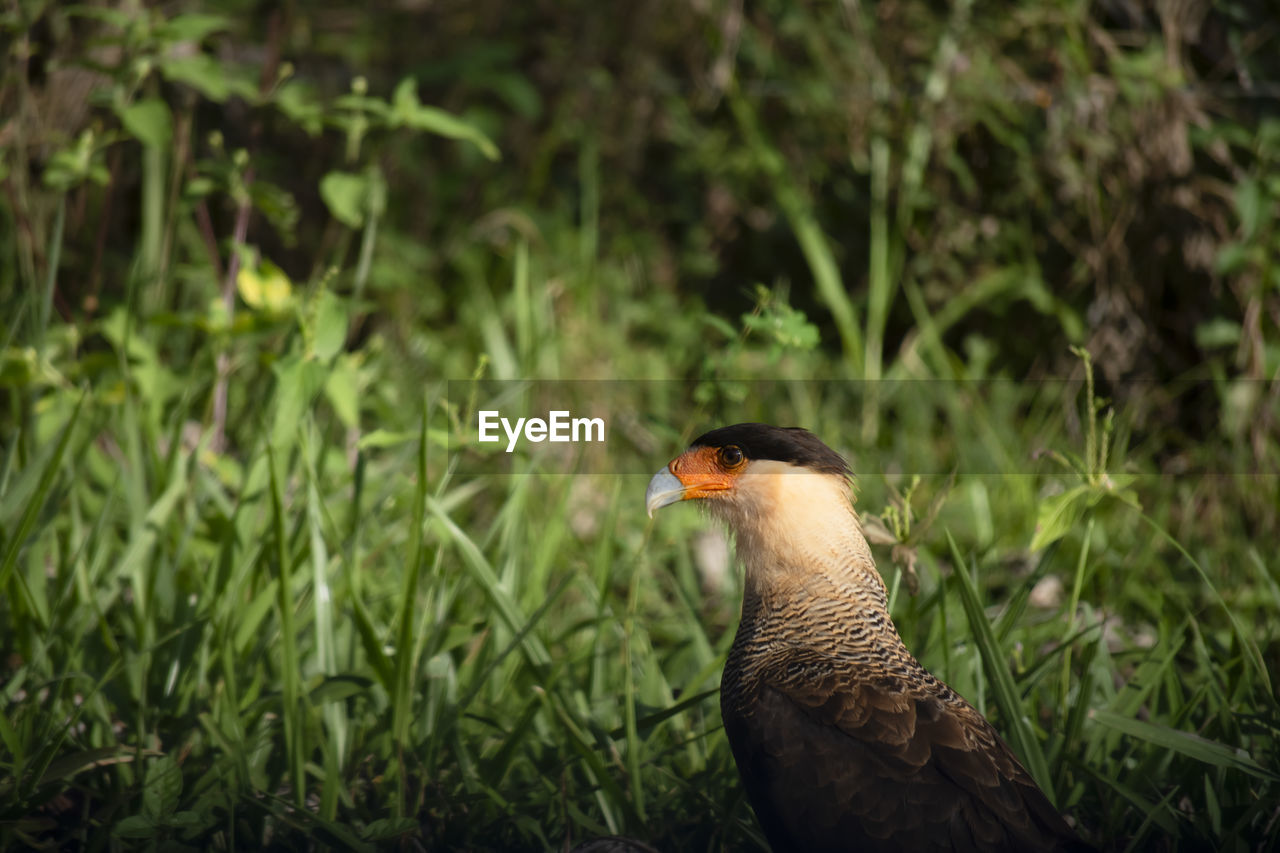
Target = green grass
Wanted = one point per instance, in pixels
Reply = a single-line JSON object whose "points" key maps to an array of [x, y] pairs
{"points": [[311, 640], [260, 588]]}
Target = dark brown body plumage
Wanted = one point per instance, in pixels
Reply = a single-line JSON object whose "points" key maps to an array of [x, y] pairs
{"points": [[843, 740], [846, 743]]}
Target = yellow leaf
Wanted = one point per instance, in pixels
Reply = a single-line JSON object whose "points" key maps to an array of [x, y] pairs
{"points": [[266, 288]]}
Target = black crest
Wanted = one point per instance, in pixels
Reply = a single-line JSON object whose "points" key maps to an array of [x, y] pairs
{"points": [[784, 444]]}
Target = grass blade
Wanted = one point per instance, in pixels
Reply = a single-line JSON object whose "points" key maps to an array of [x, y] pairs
{"points": [[35, 504], [1184, 743], [1018, 728]]}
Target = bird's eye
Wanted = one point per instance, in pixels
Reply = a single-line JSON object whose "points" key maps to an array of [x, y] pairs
{"points": [[731, 456]]}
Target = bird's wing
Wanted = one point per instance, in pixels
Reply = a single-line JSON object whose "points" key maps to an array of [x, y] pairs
{"points": [[865, 758]]}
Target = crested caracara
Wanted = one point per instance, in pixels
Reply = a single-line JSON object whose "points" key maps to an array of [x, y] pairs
{"points": [[843, 740]]}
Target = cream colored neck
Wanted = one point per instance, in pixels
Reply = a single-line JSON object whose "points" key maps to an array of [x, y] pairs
{"points": [[796, 529]]}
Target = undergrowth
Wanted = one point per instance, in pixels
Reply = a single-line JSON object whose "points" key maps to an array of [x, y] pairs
{"points": [[261, 588]]}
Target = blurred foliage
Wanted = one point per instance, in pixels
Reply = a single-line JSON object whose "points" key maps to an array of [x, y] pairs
{"points": [[256, 257]]}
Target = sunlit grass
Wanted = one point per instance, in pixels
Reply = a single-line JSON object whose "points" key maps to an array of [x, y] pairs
{"points": [[257, 589], [346, 643]]}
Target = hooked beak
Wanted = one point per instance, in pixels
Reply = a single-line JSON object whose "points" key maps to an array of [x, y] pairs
{"points": [[665, 488]]}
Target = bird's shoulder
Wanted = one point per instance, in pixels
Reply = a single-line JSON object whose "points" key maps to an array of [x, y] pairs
{"points": [[887, 698]]}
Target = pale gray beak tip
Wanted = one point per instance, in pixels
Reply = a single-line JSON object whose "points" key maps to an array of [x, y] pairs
{"points": [[663, 489]]}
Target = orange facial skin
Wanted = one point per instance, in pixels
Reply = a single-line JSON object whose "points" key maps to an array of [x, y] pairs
{"points": [[703, 472]]}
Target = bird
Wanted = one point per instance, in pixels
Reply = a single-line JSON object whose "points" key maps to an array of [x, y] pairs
{"points": [[843, 741]]}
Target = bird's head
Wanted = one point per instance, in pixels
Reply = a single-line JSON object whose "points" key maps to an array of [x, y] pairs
{"points": [[787, 498], [758, 477]]}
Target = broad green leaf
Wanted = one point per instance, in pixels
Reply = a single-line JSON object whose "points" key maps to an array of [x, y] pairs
{"points": [[299, 382], [405, 98], [407, 111], [344, 193], [299, 103], [330, 330], [1233, 257], [341, 388], [148, 121], [162, 789], [1251, 206], [208, 77], [1218, 332]]}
